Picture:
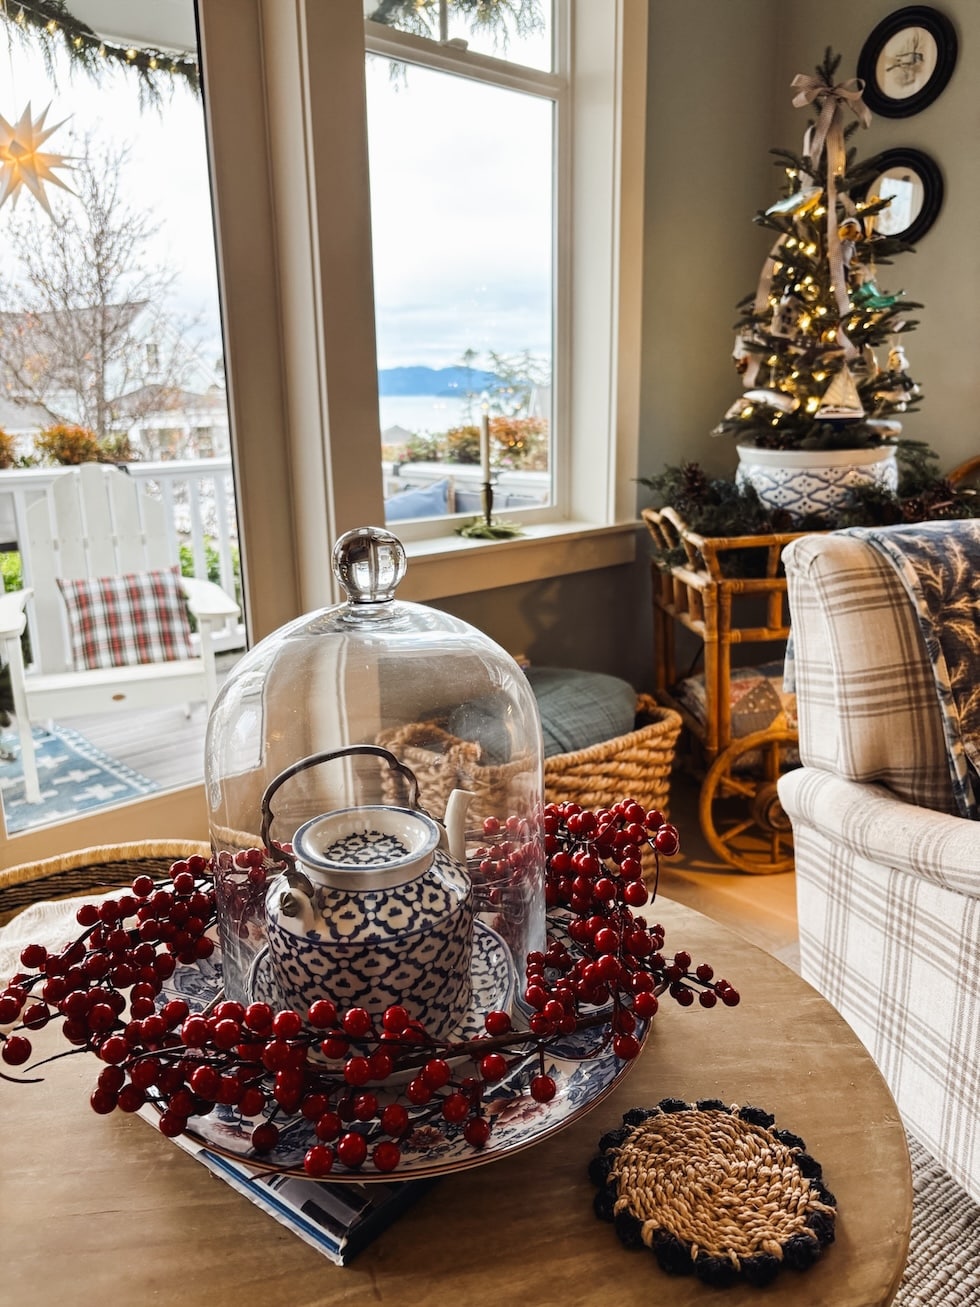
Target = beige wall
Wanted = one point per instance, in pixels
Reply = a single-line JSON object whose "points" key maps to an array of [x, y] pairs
{"points": [[719, 101], [728, 102]]}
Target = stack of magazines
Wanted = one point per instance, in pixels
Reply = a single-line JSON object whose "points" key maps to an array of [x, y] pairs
{"points": [[338, 1219]]}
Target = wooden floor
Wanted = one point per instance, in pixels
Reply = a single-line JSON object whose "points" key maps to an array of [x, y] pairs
{"points": [[168, 747]]}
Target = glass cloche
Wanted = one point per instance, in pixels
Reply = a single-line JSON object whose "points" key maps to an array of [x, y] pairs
{"points": [[375, 704]]}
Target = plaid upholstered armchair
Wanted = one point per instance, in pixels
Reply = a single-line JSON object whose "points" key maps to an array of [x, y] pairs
{"points": [[886, 663]]}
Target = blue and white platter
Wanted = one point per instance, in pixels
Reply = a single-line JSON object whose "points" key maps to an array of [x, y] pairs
{"points": [[582, 1064]]}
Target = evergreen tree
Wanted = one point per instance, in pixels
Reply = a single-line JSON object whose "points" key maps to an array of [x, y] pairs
{"points": [[819, 344]]}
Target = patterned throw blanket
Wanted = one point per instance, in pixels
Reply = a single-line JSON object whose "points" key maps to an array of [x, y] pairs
{"points": [[940, 570]]}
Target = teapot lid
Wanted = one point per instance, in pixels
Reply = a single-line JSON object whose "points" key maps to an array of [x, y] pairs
{"points": [[366, 848]]}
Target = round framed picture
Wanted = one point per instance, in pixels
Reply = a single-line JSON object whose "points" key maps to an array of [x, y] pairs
{"points": [[907, 61], [913, 184]]}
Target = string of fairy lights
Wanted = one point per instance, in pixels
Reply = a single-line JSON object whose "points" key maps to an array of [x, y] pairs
{"points": [[23, 164], [51, 22]]}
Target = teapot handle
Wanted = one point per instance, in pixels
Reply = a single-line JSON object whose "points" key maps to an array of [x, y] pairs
{"points": [[314, 760]]}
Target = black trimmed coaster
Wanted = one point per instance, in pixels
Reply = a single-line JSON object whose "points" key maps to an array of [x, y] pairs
{"points": [[713, 1191]]}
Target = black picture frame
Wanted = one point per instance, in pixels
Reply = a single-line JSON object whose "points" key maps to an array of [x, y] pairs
{"points": [[920, 45], [918, 191]]}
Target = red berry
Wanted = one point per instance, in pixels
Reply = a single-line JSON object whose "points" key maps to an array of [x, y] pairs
{"points": [[33, 956], [436, 1073], [103, 1101], [265, 1137], [318, 1161], [287, 1024], [456, 1108], [493, 1067], [667, 840], [418, 1092], [205, 1082], [394, 1120], [357, 1070], [626, 1047], [476, 1131], [171, 1124], [16, 1050], [635, 894], [9, 1009], [380, 1064], [252, 1102], [323, 1014], [365, 1107], [497, 1023], [395, 1019], [258, 1017], [328, 1127], [356, 1022], [645, 1005], [352, 1148], [115, 1049], [543, 1089], [194, 1032], [131, 1098], [334, 1048], [386, 1155], [36, 1015]]}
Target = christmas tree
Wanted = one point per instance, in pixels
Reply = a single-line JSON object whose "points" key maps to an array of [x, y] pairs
{"points": [[819, 344]]}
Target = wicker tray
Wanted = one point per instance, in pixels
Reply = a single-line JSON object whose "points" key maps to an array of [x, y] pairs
{"points": [[89, 870]]}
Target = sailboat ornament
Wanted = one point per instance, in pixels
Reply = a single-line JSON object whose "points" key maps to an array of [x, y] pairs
{"points": [[841, 401]]}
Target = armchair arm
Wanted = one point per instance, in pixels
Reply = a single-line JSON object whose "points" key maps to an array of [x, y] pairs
{"points": [[12, 612], [874, 824], [207, 601]]}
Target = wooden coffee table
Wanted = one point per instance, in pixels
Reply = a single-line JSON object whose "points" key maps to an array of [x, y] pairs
{"points": [[98, 1210]]}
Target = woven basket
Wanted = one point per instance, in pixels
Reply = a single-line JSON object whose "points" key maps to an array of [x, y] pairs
{"points": [[633, 766], [89, 871], [442, 763]]}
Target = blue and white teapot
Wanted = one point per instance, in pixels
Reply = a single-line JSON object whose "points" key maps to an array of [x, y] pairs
{"points": [[375, 907]]}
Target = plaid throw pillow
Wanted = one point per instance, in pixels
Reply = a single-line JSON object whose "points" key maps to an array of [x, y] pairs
{"points": [[118, 621]]}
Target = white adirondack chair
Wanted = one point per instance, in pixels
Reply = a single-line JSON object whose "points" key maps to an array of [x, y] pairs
{"points": [[97, 522]]}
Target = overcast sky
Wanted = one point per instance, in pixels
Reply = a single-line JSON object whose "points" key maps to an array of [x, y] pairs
{"points": [[461, 199]]}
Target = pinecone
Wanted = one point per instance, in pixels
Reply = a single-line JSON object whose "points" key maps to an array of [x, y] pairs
{"points": [[694, 483], [914, 509]]}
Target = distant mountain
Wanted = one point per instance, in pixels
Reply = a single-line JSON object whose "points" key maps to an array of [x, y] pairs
{"points": [[434, 381]]}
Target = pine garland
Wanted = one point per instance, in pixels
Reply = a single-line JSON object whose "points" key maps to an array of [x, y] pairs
{"points": [[50, 22], [718, 507]]}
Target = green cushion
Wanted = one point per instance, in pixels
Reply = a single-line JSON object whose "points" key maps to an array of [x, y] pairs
{"points": [[579, 709]]}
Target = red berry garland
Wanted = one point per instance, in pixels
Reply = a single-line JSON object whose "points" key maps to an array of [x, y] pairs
{"points": [[269, 1065]]}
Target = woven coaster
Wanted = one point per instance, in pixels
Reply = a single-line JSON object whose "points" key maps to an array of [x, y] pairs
{"points": [[713, 1191]]}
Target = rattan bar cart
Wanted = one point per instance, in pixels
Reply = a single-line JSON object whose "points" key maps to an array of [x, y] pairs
{"points": [[707, 594]]}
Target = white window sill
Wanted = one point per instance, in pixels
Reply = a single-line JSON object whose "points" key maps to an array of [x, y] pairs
{"points": [[451, 565]]}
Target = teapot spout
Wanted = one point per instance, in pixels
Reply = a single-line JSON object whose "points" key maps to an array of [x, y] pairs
{"points": [[454, 837], [296, 903]]}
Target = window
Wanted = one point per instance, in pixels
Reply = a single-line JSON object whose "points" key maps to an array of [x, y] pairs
{"points": [[463, 221], [316, 237], [287, 115]]}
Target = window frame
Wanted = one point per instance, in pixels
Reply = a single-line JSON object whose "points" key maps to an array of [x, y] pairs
{"points": [[315, 143], [288, 135]]}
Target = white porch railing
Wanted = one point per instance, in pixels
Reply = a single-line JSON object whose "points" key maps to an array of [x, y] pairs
{"points": [[198, 492]]}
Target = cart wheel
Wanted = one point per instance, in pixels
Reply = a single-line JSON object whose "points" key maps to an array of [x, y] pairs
{"points": [[741, 816]]}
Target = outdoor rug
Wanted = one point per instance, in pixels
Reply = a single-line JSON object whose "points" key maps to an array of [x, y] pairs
{"points": [[944, 1250], [74, 775]]}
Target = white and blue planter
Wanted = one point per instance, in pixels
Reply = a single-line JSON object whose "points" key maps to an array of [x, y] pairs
{"points": [[813, 482]]}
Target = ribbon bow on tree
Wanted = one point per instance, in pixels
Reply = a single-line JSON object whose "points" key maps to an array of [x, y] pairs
{"points": [[828, 135]]}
